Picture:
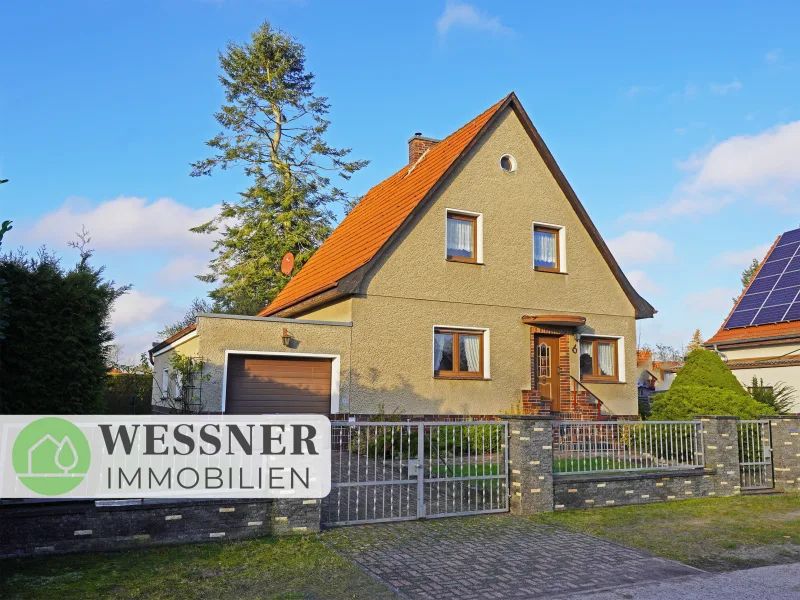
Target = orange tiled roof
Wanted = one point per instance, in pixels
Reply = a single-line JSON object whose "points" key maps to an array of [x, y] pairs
{"points": [[375, 218], [753, 332]]}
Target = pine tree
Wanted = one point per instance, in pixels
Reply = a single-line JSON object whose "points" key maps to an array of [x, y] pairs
{"points": [[696, 341], [274, 128]]}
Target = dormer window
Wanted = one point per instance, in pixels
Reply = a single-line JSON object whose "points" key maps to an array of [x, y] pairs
{"points": [[463, 237]]}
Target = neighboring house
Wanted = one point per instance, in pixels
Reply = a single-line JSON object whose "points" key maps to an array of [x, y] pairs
{"points": [[654, 376], [761, 335], [472, 281]]}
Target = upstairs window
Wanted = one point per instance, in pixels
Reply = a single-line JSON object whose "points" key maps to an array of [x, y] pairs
{"points": [[462, 237], [598, 359], [457, 353], [546, 249]]}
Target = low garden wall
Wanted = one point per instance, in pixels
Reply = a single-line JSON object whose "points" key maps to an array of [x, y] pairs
{"points": [[588, 491], [62, 527]]}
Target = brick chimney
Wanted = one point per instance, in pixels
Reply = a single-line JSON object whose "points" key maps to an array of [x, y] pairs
{"points": [[643, 357], [417, 146]]}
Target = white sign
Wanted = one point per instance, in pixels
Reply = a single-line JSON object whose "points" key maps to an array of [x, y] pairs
{"points": [[169, 456]]}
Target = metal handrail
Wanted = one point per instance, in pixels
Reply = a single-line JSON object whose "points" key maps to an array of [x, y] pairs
{"points": [[593, 395]]}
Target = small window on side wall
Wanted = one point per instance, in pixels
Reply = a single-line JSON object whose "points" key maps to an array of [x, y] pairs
{"points": [[546, 249], [598, 360], [462, 237], [457, 353]]}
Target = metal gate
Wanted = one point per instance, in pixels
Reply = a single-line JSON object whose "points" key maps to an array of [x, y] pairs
{"points": [[395, 471], [755, 455]]}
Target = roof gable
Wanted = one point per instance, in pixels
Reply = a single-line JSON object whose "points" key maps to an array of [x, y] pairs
{"points": [[339, 265]]}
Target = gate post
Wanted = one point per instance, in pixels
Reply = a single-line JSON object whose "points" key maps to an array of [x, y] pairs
{"points": [[786, 451], [530, 463], [720, 436]]}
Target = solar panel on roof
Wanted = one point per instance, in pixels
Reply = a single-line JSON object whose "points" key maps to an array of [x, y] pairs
{"points": [[741, 318], [774, 295], [762, 284], [783, 252], [775, 267], [790, 236], [771, 314], [788, 279], [752, 301], [782, 296]]}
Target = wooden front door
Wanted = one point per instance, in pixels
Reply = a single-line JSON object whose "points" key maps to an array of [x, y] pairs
{"points": [[546, 369]]}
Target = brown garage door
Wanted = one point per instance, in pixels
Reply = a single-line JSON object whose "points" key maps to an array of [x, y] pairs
{"points": [[264, 385]]}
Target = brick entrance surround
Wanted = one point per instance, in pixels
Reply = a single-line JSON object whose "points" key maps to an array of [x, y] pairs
{"points": [[576, 403]]}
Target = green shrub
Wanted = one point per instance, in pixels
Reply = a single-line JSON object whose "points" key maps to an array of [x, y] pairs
{"points": [[682, 403], [706, 386]]}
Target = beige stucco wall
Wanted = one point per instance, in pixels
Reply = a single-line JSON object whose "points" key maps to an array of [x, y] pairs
{"points": [[341, 312], [186, 347], [392, 361], [218, 334], [415, 288]]}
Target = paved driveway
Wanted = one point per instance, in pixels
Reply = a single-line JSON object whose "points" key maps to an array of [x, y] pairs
{"points": [[496, 556]]}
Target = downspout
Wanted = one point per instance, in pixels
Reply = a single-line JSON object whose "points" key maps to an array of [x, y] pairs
{"points": [[722, 355]]}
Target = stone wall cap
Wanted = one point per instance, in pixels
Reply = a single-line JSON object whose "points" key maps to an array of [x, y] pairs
{"points": [[527, 417], [717, 417], [565, 478], [779, 417]]}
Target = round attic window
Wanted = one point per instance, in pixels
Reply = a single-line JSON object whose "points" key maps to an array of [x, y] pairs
{"points": [[508, 163]]}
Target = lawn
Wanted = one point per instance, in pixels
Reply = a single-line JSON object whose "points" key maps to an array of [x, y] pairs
{"points": [[264, 568], [716, 534]]}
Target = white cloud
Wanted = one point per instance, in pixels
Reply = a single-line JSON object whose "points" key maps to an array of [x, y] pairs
{"points": [[462, 15], [643, 284], [126, 223], [136, 308], [638, 247], [182, 269], [724, 88], [773, 56], [751, 162], [681, 207], [718, 300], [762, 168], [742, 258]]}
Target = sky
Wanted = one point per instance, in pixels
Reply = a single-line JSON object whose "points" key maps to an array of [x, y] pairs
{"points": [[677, 124]]}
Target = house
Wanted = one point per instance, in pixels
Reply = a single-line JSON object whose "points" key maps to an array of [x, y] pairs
{"points": [[654, 376], [760, 337], [472, 281]]}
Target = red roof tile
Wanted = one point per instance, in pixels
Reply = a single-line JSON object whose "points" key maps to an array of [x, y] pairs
{"points": [[375, 218]]}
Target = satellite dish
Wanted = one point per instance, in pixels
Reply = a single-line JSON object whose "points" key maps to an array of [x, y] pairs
{"points": [[287, 263]]}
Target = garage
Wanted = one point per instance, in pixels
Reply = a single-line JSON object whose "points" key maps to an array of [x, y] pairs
{"points": [[277, 384]]}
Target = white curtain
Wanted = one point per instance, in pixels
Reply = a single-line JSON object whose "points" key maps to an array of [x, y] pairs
{"points": [[605, 359], [471, 348], [545, 249], [441, 341], [586, 360], [459, 237]]}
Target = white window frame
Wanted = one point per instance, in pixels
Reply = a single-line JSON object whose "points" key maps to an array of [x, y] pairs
{"points": [[562, 245], [478, 223], [336, 375], [487, 374], [620, 356]]}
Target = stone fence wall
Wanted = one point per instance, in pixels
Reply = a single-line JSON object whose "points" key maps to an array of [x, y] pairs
{"points": [[63, 527]]}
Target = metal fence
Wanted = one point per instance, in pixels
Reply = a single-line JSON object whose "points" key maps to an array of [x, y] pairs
{"points": [[755, 455], [601, 446], [392, 471]]}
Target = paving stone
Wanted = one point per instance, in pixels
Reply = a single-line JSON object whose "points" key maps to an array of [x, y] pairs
{"points": [[495, 556]]}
